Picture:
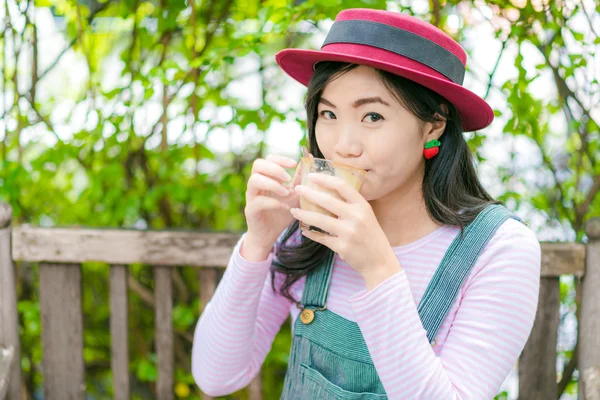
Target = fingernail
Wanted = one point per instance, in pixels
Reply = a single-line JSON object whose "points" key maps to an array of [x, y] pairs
{"points": [[284, 191], [286, 177]]}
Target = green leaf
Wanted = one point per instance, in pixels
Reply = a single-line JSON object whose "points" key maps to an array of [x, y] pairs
{"points": [[146, 371], [183, 317], [578, 36]]}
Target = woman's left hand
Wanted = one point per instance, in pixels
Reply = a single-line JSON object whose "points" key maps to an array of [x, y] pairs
{"points": [[357, 236]]}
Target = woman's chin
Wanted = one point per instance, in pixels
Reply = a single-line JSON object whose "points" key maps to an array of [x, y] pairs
{"points": [[364, 192]]}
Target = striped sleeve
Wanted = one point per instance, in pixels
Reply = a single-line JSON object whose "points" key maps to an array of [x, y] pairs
{"points": [[236, 330], [497, 306]]}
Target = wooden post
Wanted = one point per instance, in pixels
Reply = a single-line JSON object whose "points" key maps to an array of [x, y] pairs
{"points": [[62, 331], [9, 325], [589, 324], [6, 358], [118, 332], [163, 305], [255, 388], [208, 285], [537, 364]]}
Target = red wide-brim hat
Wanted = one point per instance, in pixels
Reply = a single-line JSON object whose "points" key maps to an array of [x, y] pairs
{"points": [[400, 44]]}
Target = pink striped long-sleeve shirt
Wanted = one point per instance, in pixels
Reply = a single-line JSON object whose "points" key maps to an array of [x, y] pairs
{"points": [[478, 343]]}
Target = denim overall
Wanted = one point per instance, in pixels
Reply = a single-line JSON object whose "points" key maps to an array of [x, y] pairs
{"points": [[329, 357]]}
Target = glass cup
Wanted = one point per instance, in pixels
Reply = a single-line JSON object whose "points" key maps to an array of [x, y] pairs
{"points": [[355, 176]]}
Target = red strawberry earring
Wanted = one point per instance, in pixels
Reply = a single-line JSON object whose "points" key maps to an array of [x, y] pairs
{"points": [[431, 149]]}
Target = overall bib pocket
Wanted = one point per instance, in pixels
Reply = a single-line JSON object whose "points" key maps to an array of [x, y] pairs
{"points": [[317, 383]]}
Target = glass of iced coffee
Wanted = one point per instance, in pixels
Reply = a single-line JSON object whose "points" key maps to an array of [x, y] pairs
{"points": [[354, 176]]}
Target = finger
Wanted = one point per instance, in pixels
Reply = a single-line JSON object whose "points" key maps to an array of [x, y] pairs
{"points": [[323, 238], [284, 161], [271, 169], [259, 184], [265, 203], [323, 199], [297, 176], [323, 222], [346, 191]]}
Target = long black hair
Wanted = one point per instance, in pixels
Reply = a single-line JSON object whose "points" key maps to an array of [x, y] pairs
{"points": [[451, 189]]}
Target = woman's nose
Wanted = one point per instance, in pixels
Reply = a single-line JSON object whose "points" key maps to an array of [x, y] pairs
{"points": [[348, 142]]}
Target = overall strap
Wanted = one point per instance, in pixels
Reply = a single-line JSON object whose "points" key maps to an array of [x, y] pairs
{"points": [[456, 265], [316, 287]]}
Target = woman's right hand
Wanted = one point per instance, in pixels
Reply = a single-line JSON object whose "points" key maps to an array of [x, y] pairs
{"points": [[267, 205]]}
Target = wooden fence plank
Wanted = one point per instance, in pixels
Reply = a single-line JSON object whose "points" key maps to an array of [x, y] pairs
{"points": [[163, 305], [562, 259], [255, 388], [591, 383], [62, 331], [211, 249], [589, 323], [208, 284], [172, 248], [537, 364], [119, 331], [9, 325], [6, 362]]}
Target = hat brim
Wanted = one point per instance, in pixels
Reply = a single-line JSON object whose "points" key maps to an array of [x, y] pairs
{"points": [[474, 111]]}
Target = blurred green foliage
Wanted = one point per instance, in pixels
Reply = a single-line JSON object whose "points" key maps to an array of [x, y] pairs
{"points": [[107, 152]]}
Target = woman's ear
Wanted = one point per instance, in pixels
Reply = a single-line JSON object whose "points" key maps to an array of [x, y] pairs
{"points": [[434, 130]]}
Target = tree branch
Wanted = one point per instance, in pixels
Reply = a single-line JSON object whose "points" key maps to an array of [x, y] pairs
{"points": [[563, 89], [435, 5], [133, 34], [90, 19], [566, 93], [561, 191], [570, 367], [43, 119], [585, 206], [587, 16], [568, 372], [34, 63], [51, 128], [142, 291], [4, 92], [208, 38], [57, 60], [491, 74], [179, 283]]}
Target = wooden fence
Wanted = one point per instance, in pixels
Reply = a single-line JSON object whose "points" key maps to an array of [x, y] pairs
{"points": [[60, 253]]}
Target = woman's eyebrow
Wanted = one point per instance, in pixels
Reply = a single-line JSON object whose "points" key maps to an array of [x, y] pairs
{"points": [[326, 102], [357, 103], [369, 100]]}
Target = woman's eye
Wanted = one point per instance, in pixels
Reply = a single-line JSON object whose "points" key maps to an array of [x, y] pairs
{"points": [[374, 117], [327, 114]]}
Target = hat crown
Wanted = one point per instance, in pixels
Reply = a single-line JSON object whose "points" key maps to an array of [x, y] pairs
{"points": [[407, 23], [398, 44]]}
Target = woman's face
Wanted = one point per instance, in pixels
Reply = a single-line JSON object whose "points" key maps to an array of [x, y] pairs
{"points": [[360, 123]]}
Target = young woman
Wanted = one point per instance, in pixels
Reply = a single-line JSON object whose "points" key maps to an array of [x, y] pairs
{"points": [[427, 287]]}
